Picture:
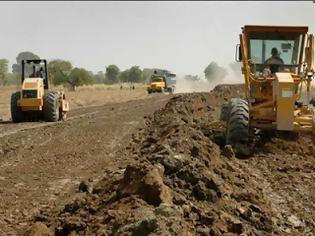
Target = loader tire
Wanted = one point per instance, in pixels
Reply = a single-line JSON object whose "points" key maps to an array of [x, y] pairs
{"points": [[237, 130], [51, 107], [227, 106], [224, 113], [16, 111]]}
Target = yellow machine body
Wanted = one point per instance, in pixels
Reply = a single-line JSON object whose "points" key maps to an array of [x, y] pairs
{"points": [[157, 84], [283, 91], [35, 100], [274, 97], [32, 93]]}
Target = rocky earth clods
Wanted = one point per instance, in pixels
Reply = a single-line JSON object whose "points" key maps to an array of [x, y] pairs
{"points": [[178, 181]]}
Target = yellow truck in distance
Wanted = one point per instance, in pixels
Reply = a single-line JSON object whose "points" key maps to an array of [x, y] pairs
{"points": [[161, 83]]}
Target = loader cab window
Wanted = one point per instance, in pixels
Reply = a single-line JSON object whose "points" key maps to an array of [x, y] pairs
{"points": [[157, 79], [274, 50]]}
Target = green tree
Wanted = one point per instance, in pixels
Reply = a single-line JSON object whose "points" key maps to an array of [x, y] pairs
{"points": [[59, 71], [13, 79], [214, 72], [135, 74], [124, 76], [146, 74], [17, 67], [79, 77], [99, 78], [112, 73], [4, 71]]}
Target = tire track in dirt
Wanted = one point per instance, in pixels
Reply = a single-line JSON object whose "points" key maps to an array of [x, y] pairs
{"points": [[41, 164], [9, 128]]}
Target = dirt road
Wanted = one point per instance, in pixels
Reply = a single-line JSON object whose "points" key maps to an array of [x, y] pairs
{"points": [[41, 164]]}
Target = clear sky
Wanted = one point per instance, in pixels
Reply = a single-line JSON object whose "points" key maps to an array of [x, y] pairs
{"points": [[181, 36]]}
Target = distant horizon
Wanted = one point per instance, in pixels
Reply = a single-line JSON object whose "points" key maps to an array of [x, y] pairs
{"points": [[183, 37]]}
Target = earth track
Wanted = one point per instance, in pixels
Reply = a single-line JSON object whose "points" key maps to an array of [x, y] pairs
{"points": [[42, 163]]}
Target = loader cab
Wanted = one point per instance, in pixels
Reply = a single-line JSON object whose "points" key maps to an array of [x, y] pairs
{"points": [[157, 79], [30, 69], [268, 50]]}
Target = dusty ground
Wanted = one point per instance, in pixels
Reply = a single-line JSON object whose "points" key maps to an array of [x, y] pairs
{"points": [[163, 175], [41, 163]]}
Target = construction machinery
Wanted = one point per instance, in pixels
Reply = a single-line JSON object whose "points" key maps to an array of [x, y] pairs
{"points": [[277, 64], [35, 100], [162, 82]]}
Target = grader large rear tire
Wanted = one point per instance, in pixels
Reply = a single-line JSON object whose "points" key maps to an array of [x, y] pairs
{"points": [[237, 130], [16, 111], [51, 107]]}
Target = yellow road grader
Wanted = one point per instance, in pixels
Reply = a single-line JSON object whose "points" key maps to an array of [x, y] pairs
{"points": [[277, 64], [35, 101]]}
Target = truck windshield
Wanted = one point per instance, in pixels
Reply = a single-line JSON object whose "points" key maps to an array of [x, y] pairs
{"points": [[158, 79], [279, 49]]}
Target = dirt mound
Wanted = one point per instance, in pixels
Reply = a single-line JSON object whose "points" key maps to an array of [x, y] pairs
{"points": [[178, 182], [228, 90], [145, 181]]}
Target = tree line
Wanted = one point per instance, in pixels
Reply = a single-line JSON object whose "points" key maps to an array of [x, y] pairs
{"points": [[62, 72]]}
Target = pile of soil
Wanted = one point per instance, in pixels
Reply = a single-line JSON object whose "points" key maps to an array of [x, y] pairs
{"points": [[176, 180]]}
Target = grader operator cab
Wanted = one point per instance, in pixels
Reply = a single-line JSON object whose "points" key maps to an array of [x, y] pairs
{"points": [[277, 64], [35, 100]]}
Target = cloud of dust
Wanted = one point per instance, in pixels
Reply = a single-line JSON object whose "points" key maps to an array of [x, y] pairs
{"points": [[188, 86], [203, 85], [233, 77]]}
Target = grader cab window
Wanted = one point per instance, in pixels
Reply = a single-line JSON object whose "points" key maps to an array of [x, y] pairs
{"points": [[277, 51]]}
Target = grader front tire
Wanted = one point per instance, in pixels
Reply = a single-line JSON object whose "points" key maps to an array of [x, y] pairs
{"points": [[237, 131]]}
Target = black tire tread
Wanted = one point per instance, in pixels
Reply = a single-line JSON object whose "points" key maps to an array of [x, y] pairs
{"points": [[16, 111], [238, 123], [51, 107], [224, 113]]}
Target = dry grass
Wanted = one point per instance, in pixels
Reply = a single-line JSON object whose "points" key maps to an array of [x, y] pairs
{"points": [[83, 96]]}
